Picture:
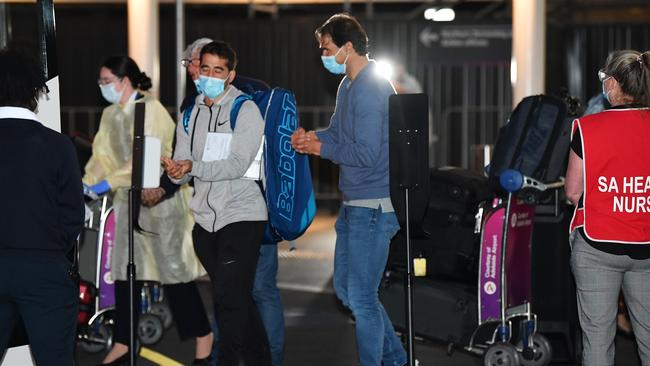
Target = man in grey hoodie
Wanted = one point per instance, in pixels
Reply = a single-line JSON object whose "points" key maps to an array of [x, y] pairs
{"points": [[229, 210]]}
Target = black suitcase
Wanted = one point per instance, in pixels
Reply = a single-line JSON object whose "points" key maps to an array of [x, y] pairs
{"points": [[447, 239], [455, 195], [451, 253], [442, 310]]}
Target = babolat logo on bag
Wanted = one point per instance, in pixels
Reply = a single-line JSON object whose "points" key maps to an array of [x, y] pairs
{"points": [[286, 177]]}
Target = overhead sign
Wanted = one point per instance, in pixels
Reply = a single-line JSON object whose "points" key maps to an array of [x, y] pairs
{"points": [[467, 42]]}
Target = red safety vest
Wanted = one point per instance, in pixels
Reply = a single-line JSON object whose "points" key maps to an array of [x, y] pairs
{"points": [[616, 166]]}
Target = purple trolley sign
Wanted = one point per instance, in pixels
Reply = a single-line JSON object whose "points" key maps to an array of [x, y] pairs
{"points": [[105, 282], [517, 259]]}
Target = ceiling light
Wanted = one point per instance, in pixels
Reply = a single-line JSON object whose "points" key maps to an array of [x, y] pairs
{"points": [[444, 15], [430, 13], [440, 15]]}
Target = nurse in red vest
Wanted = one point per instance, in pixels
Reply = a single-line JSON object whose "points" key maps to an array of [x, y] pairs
{"points": [[608, 180]]}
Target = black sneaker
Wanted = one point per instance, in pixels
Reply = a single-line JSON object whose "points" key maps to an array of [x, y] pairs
{"points": [[201, 361]]}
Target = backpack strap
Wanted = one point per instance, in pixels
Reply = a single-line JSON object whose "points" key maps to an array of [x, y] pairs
{"points": [[234, 111], [236, 106], [187, 114]]}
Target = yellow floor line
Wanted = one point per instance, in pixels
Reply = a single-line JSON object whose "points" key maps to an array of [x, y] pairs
{"points": [[305, 254], [158, 358]]}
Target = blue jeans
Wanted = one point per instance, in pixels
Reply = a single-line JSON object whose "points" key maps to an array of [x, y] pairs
{"points": [[362, 239], [267, 298]]}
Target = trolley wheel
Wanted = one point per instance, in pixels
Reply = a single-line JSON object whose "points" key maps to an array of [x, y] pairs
{"points": [[98, 337], [541, 352], [162, 310], [150, 329], [451, 347], [501, 354]]}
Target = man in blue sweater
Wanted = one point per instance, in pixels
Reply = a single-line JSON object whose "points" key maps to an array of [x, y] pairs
{"points": [[42, 214], [357, 140]]}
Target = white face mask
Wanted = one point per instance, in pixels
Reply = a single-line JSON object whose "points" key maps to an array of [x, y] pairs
{"points": [[110, 93]]}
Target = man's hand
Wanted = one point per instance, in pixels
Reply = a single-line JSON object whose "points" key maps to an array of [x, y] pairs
{"points": [[151, 196], [176, 169], [311, 136], [297, 138], [305, 142]]}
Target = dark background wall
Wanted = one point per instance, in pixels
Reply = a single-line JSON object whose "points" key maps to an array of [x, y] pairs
{"points": [[468, 87]]}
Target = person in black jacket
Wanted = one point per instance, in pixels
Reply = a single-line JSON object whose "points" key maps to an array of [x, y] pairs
{"points": [[41, 216]]}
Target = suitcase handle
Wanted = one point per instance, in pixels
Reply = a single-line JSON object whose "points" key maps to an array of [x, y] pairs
{"points": [[512, 181]]}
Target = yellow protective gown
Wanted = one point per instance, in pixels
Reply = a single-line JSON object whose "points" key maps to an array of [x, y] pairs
{"points": [[168, 256]]}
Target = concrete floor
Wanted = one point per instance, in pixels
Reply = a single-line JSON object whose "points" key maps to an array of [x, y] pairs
{"points": [[318, 331]]}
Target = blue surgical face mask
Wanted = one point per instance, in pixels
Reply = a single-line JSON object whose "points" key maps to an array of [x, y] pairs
{"points": [[197, 85], [110, 93], [211, 87], [332, 66], [605, 92]]}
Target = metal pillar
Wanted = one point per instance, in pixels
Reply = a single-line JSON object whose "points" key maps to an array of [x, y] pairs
{"points": [[528, 48], [144, 46], [47, 38], [49, 106], [4, 26], [575, 59], [180, 44], [370, 9]]}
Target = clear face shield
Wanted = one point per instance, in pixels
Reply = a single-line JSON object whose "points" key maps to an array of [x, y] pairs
{"points": [[602, 76]]}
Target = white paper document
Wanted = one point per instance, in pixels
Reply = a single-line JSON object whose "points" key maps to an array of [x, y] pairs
{"points": [[151, 162], [217, 146], [254, 171]]}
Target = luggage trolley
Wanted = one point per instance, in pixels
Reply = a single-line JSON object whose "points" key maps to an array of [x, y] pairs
{"points": [[504, 279], [96, 315], [97, 298], [478, 315]]}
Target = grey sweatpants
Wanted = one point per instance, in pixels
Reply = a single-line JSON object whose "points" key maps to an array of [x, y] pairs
{"points": [[599, 278]]}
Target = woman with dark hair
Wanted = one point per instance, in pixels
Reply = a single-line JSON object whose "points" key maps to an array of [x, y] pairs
{"points": [[167, 256], [608, 179]]}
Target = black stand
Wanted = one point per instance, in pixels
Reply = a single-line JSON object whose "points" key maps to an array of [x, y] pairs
{"points": [[47, 38], [409, 179], [134, 211], [130, 270], [409, 286]]}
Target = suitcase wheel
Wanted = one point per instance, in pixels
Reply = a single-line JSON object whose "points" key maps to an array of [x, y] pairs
{"points": [[501, 354], [539, 354]]}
